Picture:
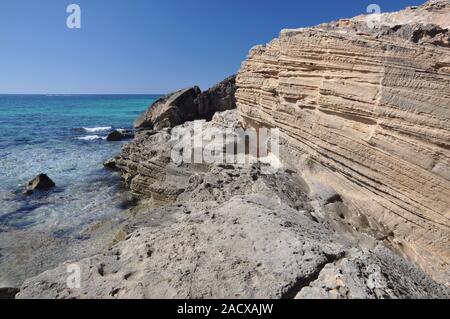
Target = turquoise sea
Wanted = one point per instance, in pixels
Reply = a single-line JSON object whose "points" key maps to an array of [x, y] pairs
{"points": [[62, 136]]}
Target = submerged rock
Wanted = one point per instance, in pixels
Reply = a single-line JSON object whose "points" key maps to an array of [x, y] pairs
{"points": [[117, 136], [41, 182]]}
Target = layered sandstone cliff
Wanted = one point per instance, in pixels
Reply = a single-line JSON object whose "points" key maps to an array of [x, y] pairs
{"points": [[364, 106]]}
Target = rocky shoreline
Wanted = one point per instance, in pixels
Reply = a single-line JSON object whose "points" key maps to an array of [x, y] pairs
{"points": [[318, 221], [231, 231]]}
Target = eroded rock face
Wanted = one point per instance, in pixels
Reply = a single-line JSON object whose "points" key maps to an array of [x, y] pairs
{"points": [[375, 275], [432, 12], [244, 248], [189, 105], [116, 136], [147, 164], [171, 110], [217, 99], [367, 111], [248, 247], [227, 231]]}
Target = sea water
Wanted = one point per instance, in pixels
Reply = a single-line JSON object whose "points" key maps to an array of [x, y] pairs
{"points": [[63, 137]]}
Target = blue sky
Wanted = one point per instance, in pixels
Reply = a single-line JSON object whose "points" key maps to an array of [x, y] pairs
{"points": [[146, 46]]}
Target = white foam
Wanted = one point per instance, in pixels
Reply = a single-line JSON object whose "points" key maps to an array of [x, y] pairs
{"points": [[91, 138], [97, 129]]}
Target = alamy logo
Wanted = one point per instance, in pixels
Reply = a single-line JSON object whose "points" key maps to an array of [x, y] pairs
{"points": [[374, 17], [74, 277], [74, 19], [232, 146]]}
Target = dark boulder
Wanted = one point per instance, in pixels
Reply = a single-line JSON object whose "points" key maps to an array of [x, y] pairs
{"points": [[116, 136], [189, 105], [41, 182], [171, 110], [219, 98], [110, 164]]}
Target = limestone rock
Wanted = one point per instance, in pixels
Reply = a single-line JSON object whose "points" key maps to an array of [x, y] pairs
{"points": [[230, 235], [189, 105], [147, 163], [41, 182], [432, 12], [250, 244], [217, 99], [219, 230], [366, 110], [375, 275], [110, 164], [243, 249], [171, 110], [116, 136]]}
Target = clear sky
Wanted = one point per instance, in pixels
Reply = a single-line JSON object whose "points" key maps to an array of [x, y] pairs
{"points": [[146, 46]]}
